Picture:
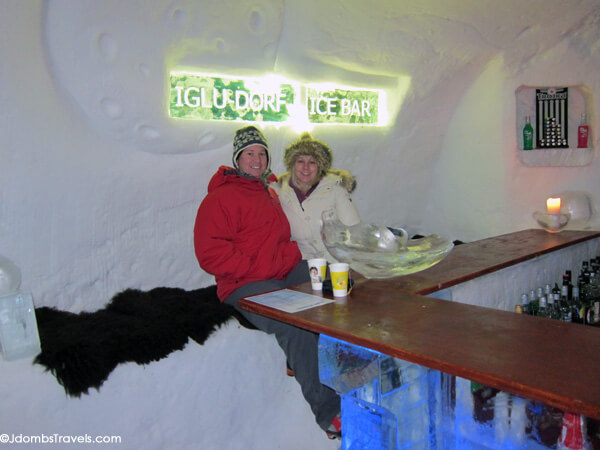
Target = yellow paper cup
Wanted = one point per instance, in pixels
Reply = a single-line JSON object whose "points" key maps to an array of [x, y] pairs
{"points": [[317, 268], [339, 278]]}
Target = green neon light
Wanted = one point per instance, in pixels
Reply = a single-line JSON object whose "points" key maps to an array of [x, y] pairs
{"points": [[271, 99], [202, 97], [343, 106]]}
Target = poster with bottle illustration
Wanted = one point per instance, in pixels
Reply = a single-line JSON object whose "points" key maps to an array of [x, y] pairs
{"points": [[552, 114]]}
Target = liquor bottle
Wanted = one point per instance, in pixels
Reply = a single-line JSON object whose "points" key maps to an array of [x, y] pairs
{"points": [[594, 272], [552, 307], [543, 311], [594, 299], [528, 134], [583, 132], [556, 294], [584, 296], [593, 280], [585, 270], [589, 274], [568, 275], [585, 289], [533, 303], [577, 307], [596, 264], [565, 307], [589, 292], [581, 287], [573, 435], [525, 304], [592, 316], [566, 282]]}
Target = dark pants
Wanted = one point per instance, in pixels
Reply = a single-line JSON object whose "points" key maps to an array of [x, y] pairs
{"points": [[300, 346]]}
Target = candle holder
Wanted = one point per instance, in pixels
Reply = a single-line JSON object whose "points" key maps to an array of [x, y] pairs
{"points": [[552, 222]]}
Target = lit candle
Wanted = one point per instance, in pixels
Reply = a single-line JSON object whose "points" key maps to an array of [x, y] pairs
{"points": [[553, 205]]}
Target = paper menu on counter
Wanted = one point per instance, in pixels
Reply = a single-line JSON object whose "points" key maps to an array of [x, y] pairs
{"points": [[289, 301]]}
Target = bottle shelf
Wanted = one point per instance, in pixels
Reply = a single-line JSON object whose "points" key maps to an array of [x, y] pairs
{"points": [[556, 157], [569, 155]]}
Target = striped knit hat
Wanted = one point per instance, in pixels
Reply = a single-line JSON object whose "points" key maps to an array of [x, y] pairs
{"points": [[244, 138]]}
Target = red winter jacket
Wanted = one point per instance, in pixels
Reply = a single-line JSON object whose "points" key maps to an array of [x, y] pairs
{"points": [[241, 233]]}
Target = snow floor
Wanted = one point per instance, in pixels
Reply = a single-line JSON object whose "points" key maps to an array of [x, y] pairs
{"points": [[194, 399]]}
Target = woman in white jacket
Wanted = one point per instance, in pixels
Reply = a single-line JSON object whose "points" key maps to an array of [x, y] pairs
{"points": [[311, 187]]}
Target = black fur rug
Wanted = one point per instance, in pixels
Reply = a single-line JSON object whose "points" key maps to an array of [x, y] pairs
{"points": [[81, 350]]}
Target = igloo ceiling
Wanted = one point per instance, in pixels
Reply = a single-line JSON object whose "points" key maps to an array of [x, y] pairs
{"points": [[114, 59]]}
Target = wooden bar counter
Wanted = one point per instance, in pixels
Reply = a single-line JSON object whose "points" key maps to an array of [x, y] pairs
{"points": [[551, 361]]}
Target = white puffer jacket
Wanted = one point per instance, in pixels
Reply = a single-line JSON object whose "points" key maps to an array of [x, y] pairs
{"points": [[332, 192]]}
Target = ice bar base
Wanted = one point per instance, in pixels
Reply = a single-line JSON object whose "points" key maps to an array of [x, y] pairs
{"points": [[388, 403]]}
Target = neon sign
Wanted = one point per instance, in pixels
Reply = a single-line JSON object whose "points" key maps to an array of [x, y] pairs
{"points": [[270, 99], [336, 105]]}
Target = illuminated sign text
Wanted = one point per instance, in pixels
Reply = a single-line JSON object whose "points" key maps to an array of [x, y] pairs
{"points": [[206, 97]]}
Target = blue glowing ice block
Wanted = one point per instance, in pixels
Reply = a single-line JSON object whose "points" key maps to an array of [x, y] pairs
{"points": [[388, 403], [367, 426], [345, 367], [19, 336]]}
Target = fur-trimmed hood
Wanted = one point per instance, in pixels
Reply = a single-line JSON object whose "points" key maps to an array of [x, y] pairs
{"points": [[345, 179]]}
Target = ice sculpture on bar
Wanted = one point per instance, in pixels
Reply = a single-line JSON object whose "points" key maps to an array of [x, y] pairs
{"points": [[376, 252]]}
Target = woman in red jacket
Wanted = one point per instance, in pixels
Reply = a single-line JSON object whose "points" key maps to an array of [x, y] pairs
{"points": [[242, 237]]}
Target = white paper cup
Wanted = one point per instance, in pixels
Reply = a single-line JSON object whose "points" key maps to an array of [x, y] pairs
{"points": [[318, 269], [339, 278]]}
